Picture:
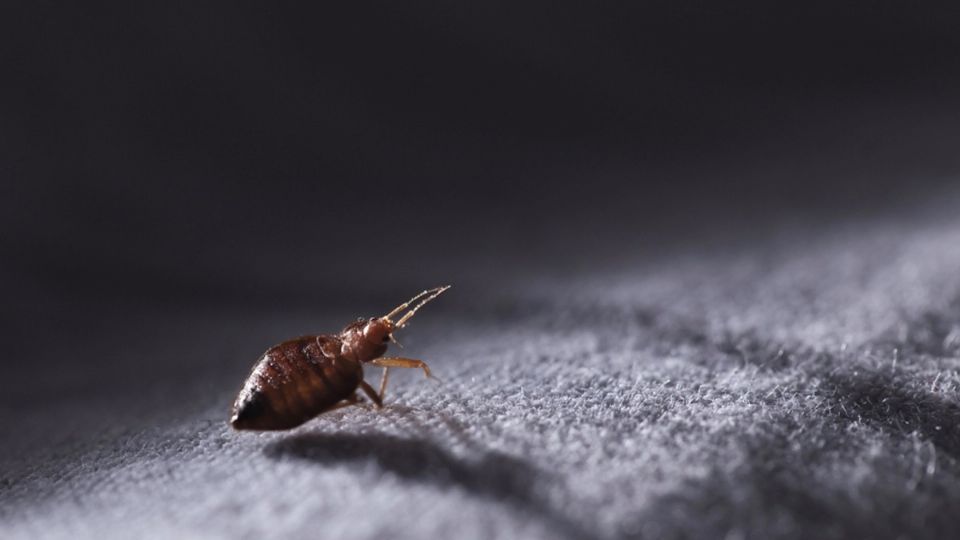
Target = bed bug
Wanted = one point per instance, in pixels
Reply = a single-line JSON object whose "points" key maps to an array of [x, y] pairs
{"points": [[301, 378]]}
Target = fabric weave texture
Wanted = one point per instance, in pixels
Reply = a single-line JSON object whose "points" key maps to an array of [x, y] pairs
{"points": [[801, 384]]}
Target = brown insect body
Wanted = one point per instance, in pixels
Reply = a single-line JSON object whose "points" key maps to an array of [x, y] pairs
{"points": [[298, 379]]}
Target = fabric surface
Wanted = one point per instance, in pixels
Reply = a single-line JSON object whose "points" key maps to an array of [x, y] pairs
{"points": [[794, 382]]}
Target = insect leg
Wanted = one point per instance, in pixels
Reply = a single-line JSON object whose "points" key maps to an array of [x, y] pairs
{"points": [[371, 393], [383, 382], [352, 400], [403, 363]]}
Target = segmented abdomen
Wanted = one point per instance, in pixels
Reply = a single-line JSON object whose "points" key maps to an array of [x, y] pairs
{"points": [[293, 382]]}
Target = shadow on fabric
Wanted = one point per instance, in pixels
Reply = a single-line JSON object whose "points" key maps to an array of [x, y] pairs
{"points": [[493, 475]]}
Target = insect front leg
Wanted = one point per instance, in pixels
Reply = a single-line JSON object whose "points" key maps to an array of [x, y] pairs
{"points": [[389, 362], [371, 393], [383, 382]]}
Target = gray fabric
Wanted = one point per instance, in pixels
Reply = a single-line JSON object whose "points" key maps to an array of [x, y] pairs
{"points": [[797, 382]]}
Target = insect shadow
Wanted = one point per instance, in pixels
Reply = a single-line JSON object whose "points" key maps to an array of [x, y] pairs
{"points": [[492, 475]]}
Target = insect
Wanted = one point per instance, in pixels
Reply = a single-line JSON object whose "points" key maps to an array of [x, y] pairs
{"points": [[301, 378]]}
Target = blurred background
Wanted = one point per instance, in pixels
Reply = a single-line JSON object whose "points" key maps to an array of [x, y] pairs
{"points": [[259, 158], [264, 154]]}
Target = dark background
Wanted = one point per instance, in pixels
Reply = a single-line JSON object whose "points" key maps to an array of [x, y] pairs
{"points": [[183, 185], [270, 157]]}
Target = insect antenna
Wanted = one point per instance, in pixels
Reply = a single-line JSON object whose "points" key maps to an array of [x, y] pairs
{"points": [[430, 295], [406, 304]]}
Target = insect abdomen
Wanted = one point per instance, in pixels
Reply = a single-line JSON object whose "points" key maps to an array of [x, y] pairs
{"points": [[293, 382]]}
